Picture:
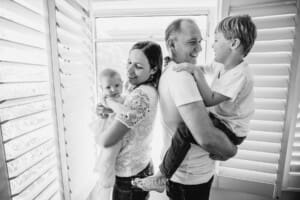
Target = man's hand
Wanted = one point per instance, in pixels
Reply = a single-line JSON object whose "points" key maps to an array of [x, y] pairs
{"points": [[217, 157], [222, 157]]}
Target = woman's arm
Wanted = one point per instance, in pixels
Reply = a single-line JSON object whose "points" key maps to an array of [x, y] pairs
{"points": [[136, 109], [113, 133]]}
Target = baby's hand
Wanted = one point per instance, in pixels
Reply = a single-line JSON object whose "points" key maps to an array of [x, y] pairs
{"points": [[188, 67], [103, 111]]}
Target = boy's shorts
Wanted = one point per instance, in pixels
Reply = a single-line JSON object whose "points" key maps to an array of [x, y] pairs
{"points": [[220, 124]]}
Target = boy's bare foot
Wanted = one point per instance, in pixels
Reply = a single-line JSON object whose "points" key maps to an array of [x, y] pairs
{"points": [[151, 183]]}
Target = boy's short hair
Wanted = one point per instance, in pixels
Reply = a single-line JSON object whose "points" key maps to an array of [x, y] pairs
{"points": [[108, 73], [241, 27]]}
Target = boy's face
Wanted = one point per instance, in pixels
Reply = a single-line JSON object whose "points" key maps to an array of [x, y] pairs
{"points": [[187, 44], [221, 47], [112, 86]]}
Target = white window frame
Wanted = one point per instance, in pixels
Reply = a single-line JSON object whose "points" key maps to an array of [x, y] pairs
{"points": [[158, 12]]}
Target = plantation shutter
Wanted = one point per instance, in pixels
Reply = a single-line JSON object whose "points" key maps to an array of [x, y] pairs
{"points": [[75, 78], [255, 167], [293, 174], [29, 162], [290, 178]]}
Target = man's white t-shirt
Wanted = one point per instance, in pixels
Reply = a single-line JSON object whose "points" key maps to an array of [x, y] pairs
{"points": [[177, 89]]}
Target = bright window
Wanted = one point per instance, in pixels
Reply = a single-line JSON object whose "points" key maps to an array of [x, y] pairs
{"points": [[115, 36]]}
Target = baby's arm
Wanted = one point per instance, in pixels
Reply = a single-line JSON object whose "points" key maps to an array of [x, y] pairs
{"points": [[210, 98], [116, 105]]}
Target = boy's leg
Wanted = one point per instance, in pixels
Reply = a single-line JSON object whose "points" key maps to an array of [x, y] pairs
{"points": [[175, 154], [218, 123]]}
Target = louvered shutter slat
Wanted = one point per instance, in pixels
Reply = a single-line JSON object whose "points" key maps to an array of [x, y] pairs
{"points": [[269, 10], [270, 69], [27, 130], [273, 46], [20, 14], [278, 21], [255, 167]]}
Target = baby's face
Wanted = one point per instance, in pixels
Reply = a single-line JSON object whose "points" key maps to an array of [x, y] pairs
{"points": [[112, 86]]}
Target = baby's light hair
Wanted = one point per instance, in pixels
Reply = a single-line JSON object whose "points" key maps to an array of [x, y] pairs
{"points": [[108, 72], [241, 27]]}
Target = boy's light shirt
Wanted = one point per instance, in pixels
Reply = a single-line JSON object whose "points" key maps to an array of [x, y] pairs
{"points": [[237, 84]]}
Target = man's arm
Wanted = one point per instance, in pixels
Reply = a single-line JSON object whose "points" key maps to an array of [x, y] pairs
{"points": [[206, 135]]}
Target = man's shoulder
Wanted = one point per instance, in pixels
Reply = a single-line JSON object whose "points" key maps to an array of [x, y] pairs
{"points": [[172, 77]]}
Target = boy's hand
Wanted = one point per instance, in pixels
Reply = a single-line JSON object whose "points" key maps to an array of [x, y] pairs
{"points": [[103, 111], [196, 71], [188, 67]]}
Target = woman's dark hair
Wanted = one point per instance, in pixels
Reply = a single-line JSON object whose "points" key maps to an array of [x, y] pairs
{"points": [[153, 53]]}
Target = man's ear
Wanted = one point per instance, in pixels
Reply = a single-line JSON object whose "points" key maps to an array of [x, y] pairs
{"points": [[235, 43], [170, 43]]}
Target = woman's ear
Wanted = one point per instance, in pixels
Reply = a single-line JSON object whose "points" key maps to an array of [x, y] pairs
{"points": [[153, 70]]}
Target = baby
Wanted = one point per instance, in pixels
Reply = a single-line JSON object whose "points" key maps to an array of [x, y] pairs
{"points": [[111, 90]]}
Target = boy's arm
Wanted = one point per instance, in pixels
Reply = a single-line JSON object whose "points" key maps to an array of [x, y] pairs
{"points": [[210, 97]]}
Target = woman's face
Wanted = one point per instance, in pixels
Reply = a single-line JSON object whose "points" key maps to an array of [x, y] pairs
{"points": [[138, 67]]}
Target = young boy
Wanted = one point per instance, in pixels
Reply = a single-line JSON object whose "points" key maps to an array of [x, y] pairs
{"points": [[230, 98], [111, 87]]}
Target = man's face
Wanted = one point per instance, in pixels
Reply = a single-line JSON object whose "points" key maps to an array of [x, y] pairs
{"points": [[187, 43]]}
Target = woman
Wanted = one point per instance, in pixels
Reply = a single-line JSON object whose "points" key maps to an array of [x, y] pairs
{"points": [[134, 130]]}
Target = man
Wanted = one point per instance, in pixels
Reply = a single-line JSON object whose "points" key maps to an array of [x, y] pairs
{"points": [[180, 101]]}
